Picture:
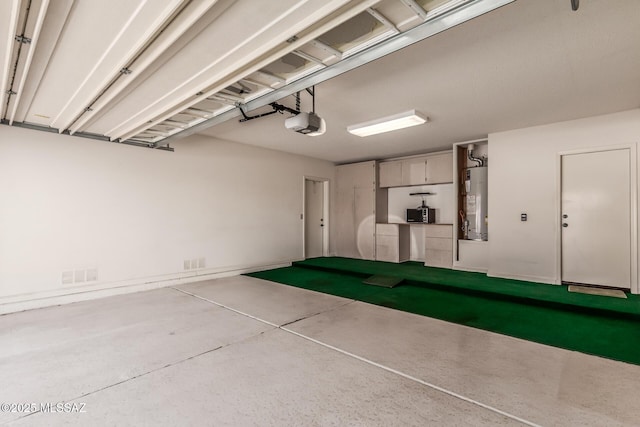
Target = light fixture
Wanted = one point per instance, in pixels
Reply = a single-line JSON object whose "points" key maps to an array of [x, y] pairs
{"points": [[389, 123]]}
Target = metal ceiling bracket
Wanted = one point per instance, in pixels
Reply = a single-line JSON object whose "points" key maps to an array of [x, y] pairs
{"points": [[277, 108], [22, 39]]}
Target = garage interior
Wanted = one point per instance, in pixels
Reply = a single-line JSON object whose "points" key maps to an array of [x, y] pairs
{"points": [[192, 230]]}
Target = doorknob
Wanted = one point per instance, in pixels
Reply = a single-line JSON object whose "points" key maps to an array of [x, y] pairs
{"points": [[565, 225]]}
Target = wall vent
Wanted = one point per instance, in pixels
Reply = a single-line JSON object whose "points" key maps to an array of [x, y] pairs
{"points": [[194, 263]]}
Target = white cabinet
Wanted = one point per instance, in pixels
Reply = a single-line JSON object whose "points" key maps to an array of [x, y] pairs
{"points": [[393, 242], [439, 168], [438, 245], [391, 174], [354, 210], [416, 171], [429, 169]]}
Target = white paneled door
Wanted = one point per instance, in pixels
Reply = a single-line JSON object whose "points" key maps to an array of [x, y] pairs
{"points": [[596, 218], [313, 218]]}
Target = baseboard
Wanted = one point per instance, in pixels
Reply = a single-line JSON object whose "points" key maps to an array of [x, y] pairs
{"points": [[16, 303], [537, 279]]}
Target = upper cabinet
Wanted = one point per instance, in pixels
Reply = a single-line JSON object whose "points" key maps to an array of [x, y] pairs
{"points": [[429, 169], [391, 174], [440, 168]]}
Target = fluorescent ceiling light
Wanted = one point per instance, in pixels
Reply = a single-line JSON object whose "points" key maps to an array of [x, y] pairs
{"points": [[389, 123]]}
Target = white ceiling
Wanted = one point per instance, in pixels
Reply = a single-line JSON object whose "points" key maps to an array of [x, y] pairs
{"points": [[528, 63]]}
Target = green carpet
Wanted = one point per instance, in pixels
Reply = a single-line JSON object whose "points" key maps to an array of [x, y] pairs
{"points": [[600, 328], [476, 282]]}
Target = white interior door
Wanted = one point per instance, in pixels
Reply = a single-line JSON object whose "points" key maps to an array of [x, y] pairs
{"points": [[596, 218], [313, 218]]}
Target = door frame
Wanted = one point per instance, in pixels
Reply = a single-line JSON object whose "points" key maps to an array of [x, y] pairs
{"points": [[633, 189], [325, 213]]}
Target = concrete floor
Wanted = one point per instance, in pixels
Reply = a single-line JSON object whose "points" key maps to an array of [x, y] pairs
{"points": [[242, 351]]}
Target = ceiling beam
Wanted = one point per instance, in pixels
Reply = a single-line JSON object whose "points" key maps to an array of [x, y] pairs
{"points": [[97, 79], [162, 41], [219, 82], [9, 41], [309, 58], [416, 8], [26, 65]]}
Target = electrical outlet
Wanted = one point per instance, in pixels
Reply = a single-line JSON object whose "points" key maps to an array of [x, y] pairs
{"points": [[194, 263], [200, 262], [187, 264], [67, 277]]}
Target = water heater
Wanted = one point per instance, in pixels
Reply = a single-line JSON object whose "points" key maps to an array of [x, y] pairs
{"points": [[476, 203]]}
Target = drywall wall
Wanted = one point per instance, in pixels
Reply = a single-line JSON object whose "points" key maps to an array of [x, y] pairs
{"points": [[134, 215], [524, 178]]}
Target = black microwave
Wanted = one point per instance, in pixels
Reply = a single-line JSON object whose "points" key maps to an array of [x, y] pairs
{"points": [[426, 215]]}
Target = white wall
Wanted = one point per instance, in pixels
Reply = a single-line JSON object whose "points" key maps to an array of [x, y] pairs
{"points": [[524, 177], [136, 214]]}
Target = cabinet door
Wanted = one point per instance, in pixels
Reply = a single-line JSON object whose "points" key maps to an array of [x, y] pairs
{"points": [[387, 248], [353, 220], [364, 222], [439, 169], [414, 171], [344, 222], [436, 258], [390, 174]]}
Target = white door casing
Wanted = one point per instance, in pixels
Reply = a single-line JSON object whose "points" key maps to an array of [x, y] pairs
{"points": [[596, 218]]}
